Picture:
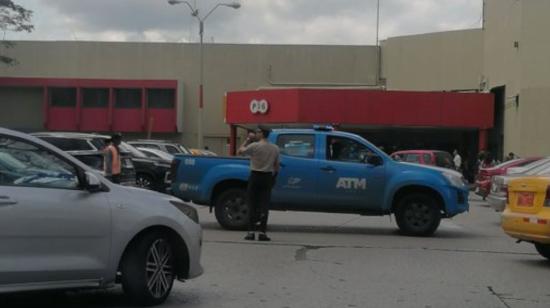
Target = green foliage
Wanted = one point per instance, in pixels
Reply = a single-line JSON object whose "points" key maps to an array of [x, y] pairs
{"points": [[14, 18]]}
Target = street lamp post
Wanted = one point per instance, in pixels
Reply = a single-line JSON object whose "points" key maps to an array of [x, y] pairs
{"points": [[195, 13]]}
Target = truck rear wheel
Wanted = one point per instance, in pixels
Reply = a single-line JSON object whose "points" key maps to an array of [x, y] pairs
{"points": [[418, 214], [232, 210], [543, 250]]}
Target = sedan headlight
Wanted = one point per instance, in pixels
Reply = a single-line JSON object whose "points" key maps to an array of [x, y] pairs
{"points": [[454, 179], [187, 209]]}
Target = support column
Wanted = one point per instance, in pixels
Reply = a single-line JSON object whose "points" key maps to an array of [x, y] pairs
{"points": [[232, 140], [45, 107], [483, 140], [78, 108]]}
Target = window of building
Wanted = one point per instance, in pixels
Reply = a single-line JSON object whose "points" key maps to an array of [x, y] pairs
{"points": [[127, 98], [95, 98], [62, 97], [161, 98], [297, 145]]}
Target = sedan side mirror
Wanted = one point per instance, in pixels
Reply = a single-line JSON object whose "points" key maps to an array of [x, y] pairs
{"points": [[93, 184]]}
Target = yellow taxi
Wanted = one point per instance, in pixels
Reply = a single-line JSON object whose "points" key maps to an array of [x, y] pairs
{"points": [[527, 213]]}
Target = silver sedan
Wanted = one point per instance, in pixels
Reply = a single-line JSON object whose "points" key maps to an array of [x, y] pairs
{"points": [[62, 225]]}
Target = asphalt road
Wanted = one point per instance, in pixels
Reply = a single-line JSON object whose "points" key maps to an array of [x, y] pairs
{"points": [[329, 260]]}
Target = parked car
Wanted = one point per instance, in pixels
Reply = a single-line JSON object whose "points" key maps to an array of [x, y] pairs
{"points": [[64, 226], [525, 168], [483, 180], [87, 148], [162, 145], [149, 173], [157, 155], [327, 171], [199, 152], [527, 213], [425, 157], [499, 183]]}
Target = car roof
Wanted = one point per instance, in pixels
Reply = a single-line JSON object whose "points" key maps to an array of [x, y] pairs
{"points": [[69, 135], [418, 152], [151, 141], [85, 152], [44, 144], [313, 131], [152, 150]]}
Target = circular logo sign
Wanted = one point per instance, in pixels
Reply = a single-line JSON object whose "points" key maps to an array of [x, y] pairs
{"points": [[259, 106]]}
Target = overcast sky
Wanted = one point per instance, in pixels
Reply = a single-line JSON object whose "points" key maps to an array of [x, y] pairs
{"points": [[257, 21]]}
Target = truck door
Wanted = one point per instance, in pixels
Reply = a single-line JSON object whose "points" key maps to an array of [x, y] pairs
{"points": [[347, 181], [297, 181]]}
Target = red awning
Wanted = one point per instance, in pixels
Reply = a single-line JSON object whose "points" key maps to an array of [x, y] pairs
{"points": [[361, 108]]}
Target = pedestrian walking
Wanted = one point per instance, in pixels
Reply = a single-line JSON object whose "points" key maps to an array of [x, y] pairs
{"points": [[264, 167], [112, 163], [457, 160]]}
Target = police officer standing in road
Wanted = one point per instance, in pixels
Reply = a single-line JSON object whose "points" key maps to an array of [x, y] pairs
{"points": [[264, 167], [112, 164]]}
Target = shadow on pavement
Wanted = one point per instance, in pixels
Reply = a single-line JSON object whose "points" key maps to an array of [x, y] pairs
{"points": [[68, 299], [540, 263], [111, 298], [322, 229]]}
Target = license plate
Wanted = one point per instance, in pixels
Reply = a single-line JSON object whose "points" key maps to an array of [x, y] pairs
{"points": [[526, 199]]}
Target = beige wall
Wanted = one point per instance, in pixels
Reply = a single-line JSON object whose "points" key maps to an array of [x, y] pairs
{"points": [[534, 124], [435, 61], [502, 64], [227, 68], [524, 70]]}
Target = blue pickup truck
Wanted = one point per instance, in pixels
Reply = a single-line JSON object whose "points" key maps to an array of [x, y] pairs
{"points": [[323, 170]]}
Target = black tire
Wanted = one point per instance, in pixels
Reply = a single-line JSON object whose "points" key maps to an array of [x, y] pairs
{"points": [[418, 214], [543, 250], [148, 270], [145, 181], [231, 209]]}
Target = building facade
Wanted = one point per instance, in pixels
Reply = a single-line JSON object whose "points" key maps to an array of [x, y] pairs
{"points": [[43, 67], [508, 57]]}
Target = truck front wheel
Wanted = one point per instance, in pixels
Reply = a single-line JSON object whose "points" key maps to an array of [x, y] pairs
{"points": [[418, 214], [232, 210]]}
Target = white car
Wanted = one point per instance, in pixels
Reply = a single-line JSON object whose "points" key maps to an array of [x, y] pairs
{"points": [[499, 184], [64, 226]]}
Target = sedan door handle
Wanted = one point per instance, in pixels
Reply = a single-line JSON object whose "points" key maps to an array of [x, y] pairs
{"points": [[328, 169], [5, 200]]}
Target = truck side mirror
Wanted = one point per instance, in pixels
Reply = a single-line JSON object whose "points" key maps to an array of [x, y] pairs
{"points": [[375, 160]]}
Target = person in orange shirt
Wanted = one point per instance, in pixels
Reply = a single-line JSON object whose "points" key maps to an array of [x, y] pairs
{"points": [[112, 165]]}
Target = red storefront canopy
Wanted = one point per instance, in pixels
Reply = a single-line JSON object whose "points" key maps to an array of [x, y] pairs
{"points": [[363, 107], [357, 107]]}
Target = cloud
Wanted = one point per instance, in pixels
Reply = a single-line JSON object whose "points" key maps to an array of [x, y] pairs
{"points": [[258, 21]]}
